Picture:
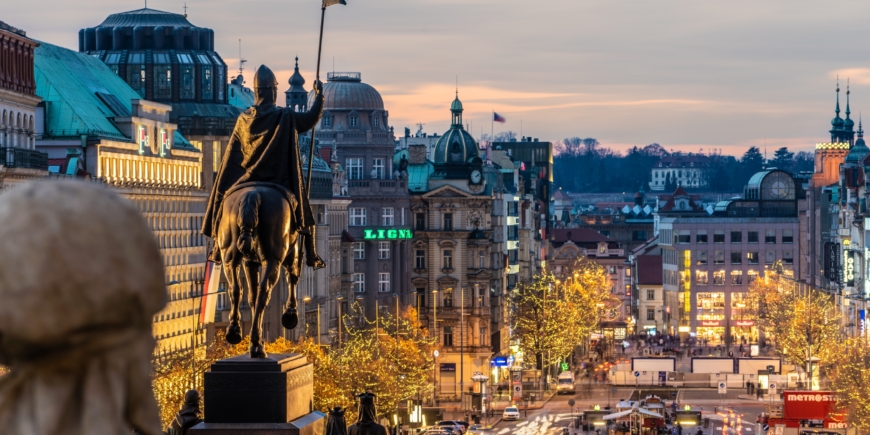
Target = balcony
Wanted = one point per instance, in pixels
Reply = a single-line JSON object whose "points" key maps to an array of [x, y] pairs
{"points": [[376, 187], [22, 158]]}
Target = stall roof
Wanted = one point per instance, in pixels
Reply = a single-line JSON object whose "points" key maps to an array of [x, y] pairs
{"points": [[628, 412]]}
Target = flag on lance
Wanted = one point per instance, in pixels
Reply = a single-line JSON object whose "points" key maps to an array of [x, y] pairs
{"points": [[209, 292], [498, 118], [328, 3]]}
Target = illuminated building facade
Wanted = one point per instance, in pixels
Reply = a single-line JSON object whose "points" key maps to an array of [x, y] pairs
{"points": [[710, 260]]}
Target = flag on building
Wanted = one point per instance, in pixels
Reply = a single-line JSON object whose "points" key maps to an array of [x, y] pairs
{"points": [[209, 292], [328, 3], [498, 118]]}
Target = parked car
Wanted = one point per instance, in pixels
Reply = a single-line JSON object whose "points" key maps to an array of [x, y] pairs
{"points": [[511, 413], [462, 424], [451, 426]]}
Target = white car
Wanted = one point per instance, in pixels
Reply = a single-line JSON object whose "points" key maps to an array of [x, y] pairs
{"points": [[511, 413]]}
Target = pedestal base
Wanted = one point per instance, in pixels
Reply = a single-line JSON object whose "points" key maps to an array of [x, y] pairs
{"points": [[312, 424], [243, 390]]}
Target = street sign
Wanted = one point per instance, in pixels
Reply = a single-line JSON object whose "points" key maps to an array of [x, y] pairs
{"points": [[571, 402], [765, 427], [637, 374], [771, 388], [723, 389]]}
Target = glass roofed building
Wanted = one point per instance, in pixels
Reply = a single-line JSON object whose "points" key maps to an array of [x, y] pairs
{"points": [[166, 59]]}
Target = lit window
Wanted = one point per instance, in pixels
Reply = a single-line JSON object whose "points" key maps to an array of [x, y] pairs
{"points": [[736, 277], [383, 250], [701, 277], [719, 277], [752, 257], [384, 282], [359, 251]]}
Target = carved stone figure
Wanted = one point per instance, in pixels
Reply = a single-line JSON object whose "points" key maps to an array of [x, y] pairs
{"points": [[189, 415], [259, 206], [81, 280], [366, 423], [336, 424]]}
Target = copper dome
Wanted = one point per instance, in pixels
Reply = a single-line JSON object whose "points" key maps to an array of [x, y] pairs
{"points": [[346, 91]]}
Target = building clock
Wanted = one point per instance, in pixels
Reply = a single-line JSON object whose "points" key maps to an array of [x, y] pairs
{"points": [[476, 177], [778, 186]]}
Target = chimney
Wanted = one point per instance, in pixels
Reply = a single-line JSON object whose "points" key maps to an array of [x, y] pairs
{"points": [[416, 154]]}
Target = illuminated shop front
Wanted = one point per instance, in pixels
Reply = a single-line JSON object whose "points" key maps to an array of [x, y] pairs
{"points": [[710, 316]]}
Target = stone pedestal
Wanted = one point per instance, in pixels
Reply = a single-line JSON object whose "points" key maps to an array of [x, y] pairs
{"points": [[264, 396]]}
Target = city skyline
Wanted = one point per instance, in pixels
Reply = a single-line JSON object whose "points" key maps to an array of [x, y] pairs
{"points": [[689, 77]]}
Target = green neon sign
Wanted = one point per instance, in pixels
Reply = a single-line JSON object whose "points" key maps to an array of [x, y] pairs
{"points": [[564, 367], [373, 234]]}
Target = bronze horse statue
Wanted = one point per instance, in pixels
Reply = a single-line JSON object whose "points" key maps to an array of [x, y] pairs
{"points": [[259, 207], [255, 238]]}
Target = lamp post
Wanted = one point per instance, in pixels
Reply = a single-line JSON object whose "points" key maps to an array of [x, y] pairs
{"points": [[338, 301], [434, 334], [461, 342], [305, 300]]}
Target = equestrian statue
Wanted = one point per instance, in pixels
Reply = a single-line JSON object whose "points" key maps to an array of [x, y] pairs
{"points": [[259, 207]]}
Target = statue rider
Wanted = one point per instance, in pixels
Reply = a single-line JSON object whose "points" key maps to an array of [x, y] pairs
{"points": [[249, 158]]}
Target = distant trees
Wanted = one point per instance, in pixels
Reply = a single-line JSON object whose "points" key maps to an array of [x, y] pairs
{"points": [[584, 165]]}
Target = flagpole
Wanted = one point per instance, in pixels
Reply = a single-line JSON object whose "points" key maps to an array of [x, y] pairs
{"points": [[492, 126], [313, 129]]}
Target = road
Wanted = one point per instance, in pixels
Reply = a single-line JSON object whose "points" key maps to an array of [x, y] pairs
{"points": [[556, 414]]}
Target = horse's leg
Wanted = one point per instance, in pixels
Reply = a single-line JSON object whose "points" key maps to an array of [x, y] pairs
{"points": [[234, 331], [271, 273], [252, 273], [290, 318]]}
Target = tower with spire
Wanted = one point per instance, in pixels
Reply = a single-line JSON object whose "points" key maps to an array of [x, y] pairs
{"points": [[829, 156], [297, 96]]}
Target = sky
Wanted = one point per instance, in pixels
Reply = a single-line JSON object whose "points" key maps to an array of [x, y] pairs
{"points": [[689, 75]]}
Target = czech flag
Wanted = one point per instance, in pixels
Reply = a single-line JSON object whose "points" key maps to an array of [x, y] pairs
{"points": [[498, 118]]}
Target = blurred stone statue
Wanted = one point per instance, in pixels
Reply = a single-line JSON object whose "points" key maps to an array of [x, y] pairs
{"points": [[367, 423], [81, 280], [189, 415], [336, 424]]}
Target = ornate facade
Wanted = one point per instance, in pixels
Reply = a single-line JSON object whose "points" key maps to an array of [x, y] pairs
{"points": [[19, 160], [458, 269]]}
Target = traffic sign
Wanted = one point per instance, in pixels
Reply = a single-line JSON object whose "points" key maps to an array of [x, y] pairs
{"points": [[571, 402], [765, 427], [723, 389], [637, 374], [771, 388]]}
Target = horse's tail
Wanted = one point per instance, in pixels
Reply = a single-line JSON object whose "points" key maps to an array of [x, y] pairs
{"points": [[248, 217]]}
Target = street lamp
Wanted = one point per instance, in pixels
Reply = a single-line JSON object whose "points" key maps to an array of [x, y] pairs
{"points": [[338, 301]]}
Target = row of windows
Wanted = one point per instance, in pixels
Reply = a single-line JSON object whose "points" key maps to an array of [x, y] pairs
{"points": [[701, 237], [752, 257], [359, 282], [678, 173], [162, 75], [359, 251], [352, 120], [719, 277], [354, 167], [358, 216]]}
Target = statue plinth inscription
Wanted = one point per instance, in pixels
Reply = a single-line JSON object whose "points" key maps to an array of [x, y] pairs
{"points": [[272, 395]]}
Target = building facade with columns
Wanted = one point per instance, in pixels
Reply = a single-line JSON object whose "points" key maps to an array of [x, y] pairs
{"points": [[96, 127], [19, 160], [459, 257]]}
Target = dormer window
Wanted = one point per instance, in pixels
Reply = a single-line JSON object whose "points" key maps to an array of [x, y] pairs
{"points": [[353, 120], [327, 120], [375, 121]]}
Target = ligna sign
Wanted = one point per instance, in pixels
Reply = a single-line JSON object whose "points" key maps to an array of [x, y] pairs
{"points": [[376, 234]]}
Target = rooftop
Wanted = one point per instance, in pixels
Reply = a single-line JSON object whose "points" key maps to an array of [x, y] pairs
{"points": [[146, 18]]}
